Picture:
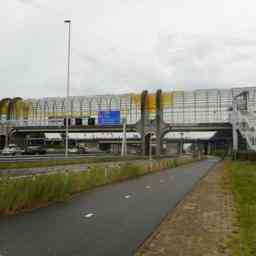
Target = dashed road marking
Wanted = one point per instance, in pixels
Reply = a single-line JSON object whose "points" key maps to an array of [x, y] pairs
{"points": [[127, 196], [148, 187], [88, 215]]}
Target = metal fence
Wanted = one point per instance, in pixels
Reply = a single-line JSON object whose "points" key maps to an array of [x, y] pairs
{"points": [[54, 108], [204, 106], [198, 106]]}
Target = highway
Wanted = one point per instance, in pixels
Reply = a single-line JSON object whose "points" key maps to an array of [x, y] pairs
{"points": [[35, 158], [112, 220]]}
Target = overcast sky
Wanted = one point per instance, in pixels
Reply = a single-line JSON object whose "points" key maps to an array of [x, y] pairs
{"points": [[121, 46]]}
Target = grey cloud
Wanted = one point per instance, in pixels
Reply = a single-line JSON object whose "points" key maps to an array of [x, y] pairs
{"points": [[207, 60], [122, 46]]}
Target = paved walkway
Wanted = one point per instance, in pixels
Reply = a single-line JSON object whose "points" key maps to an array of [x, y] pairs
{"points": [[201, 224], [110, 220]]}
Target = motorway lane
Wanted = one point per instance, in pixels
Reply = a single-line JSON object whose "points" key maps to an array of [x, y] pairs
{"points": [[35, 158], [111, 220]]}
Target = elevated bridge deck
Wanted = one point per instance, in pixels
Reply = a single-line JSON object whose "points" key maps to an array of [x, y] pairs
{"points": [[147, 113], [203, 127]]}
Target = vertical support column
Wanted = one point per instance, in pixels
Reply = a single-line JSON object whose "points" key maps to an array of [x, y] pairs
{"points": [[144, 118], [215, 146], [178, 148], [159, 120], [208, 148], [181, 147], [124, 144], [235, 141], [246, 99], [6, 135]]}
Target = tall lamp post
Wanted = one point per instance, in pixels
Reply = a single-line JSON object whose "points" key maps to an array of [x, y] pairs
{"points": [[68, 87]]}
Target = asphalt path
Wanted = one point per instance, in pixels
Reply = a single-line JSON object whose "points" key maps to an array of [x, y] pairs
{"points": [[110, 220]]}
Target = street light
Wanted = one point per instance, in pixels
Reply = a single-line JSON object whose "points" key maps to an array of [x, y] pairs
{"points": [[68, 85]]}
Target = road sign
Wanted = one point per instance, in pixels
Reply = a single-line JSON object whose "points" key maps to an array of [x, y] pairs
{"points": [[108, 117]]}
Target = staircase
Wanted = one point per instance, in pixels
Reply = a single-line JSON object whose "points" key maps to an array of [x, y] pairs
{"points": [[244, 121], [247, 128]]}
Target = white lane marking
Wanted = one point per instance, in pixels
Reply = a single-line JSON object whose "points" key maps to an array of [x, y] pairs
{"points": [[127, 196], [88, 215], [148, 187]]}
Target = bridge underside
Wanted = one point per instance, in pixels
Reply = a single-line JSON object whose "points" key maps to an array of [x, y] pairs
{"points": [[200, 127], [19, 134]]}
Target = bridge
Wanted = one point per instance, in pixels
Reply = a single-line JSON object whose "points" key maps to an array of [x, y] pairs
{"points": [[146, 113]]}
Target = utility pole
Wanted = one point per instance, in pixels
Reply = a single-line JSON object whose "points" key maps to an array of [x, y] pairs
{"points": [[68, 88]]}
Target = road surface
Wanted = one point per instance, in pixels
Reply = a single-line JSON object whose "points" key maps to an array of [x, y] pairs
{"points": [[47, 157], [111, 220]]}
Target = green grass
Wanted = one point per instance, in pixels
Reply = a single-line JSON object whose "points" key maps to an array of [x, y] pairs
{"points": [[242, 176], [34, 191]]}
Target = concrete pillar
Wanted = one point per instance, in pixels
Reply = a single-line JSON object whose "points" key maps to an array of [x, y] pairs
{"points": [[214, 147], [6, 139], [208, 148], [180, 147], [194, 149], [158, 145], [235, 141], [144, 120], [159, 120]]}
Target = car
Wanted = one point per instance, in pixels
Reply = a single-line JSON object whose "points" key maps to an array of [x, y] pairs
{"points": [[73, 150], [34, 150], [82, 150], [12, 149]]}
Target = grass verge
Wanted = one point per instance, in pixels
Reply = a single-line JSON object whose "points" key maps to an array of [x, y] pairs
{"points": [[21, 193], [242, 178]]}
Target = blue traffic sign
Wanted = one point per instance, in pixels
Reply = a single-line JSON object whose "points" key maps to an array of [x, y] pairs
{"points": [[108, 117]]}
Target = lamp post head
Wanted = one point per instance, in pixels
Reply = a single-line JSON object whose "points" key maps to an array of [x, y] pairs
{"points": [[67, 21]]}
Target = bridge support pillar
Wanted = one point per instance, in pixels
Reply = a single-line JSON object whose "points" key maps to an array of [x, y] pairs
{"points": [[151, 126], [144, 121], [180, 147], [159, 143], [235, 141], [208, 148], [159, 121]]}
